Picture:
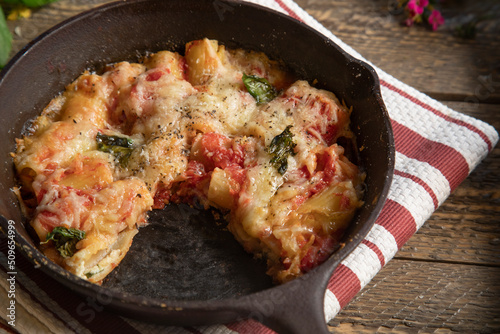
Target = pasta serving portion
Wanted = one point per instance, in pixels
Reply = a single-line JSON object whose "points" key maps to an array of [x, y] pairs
{"points": [[229, 129]]}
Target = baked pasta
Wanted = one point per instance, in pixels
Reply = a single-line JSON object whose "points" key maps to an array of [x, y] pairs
{"points": [[229, 129]]}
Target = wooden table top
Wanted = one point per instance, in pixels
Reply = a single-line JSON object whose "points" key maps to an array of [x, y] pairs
{"points": [[447, 277]]}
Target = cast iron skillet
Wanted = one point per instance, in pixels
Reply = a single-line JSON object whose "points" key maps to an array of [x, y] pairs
{"points": [[186, 276]]}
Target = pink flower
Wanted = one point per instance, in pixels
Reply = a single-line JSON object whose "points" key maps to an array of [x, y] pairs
{"points": [[436, 19], [409, 22], [416, 7]]}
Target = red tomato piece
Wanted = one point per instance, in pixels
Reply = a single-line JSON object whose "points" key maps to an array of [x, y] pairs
{"points": [[154, 76], [318, 252], [220, 151]]}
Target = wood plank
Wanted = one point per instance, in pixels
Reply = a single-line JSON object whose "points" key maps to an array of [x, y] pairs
{"points": [[437, 63], [411, 297]]}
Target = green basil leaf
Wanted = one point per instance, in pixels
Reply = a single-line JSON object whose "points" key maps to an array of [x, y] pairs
{"points": [[120, 147], [259, 88], [280, 148], [65, 239]]}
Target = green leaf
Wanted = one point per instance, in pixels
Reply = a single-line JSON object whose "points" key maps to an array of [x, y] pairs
{"points": [[467, 30], [5, 40], [65, 239], [259, 88], [93, 273], [36, 3], [120, 147], [280, 148], [11, 2], [28, 3]]}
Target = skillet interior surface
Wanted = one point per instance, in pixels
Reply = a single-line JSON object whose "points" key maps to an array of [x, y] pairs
{"points": [[181, 258]]}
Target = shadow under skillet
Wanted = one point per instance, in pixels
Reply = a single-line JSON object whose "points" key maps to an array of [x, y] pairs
{"points": [[186, 253]]}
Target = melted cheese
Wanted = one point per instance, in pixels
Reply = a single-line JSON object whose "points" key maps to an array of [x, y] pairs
{"points": [[196, 133]]}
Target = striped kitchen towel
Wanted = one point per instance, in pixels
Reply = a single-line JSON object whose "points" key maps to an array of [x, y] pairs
{"points": [[436, 149]]}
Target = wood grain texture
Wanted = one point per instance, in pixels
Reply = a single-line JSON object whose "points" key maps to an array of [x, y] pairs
{"points": [[447, 277], [418, 297], [437, 63]]}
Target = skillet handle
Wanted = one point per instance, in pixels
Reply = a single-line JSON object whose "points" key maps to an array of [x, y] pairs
{"points": [[299, 308]]}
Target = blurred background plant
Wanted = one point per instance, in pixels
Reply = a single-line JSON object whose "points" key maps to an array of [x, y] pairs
{"points": [[422, 12], [14, 10], [431, 13], [467, 27]]}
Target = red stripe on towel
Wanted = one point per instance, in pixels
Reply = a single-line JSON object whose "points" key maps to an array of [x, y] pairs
{"points": [[439, 113], [376, 250], [288, 10], [344, 284], [420, 182], [398, 221], [249, 326], [454, 168]]}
